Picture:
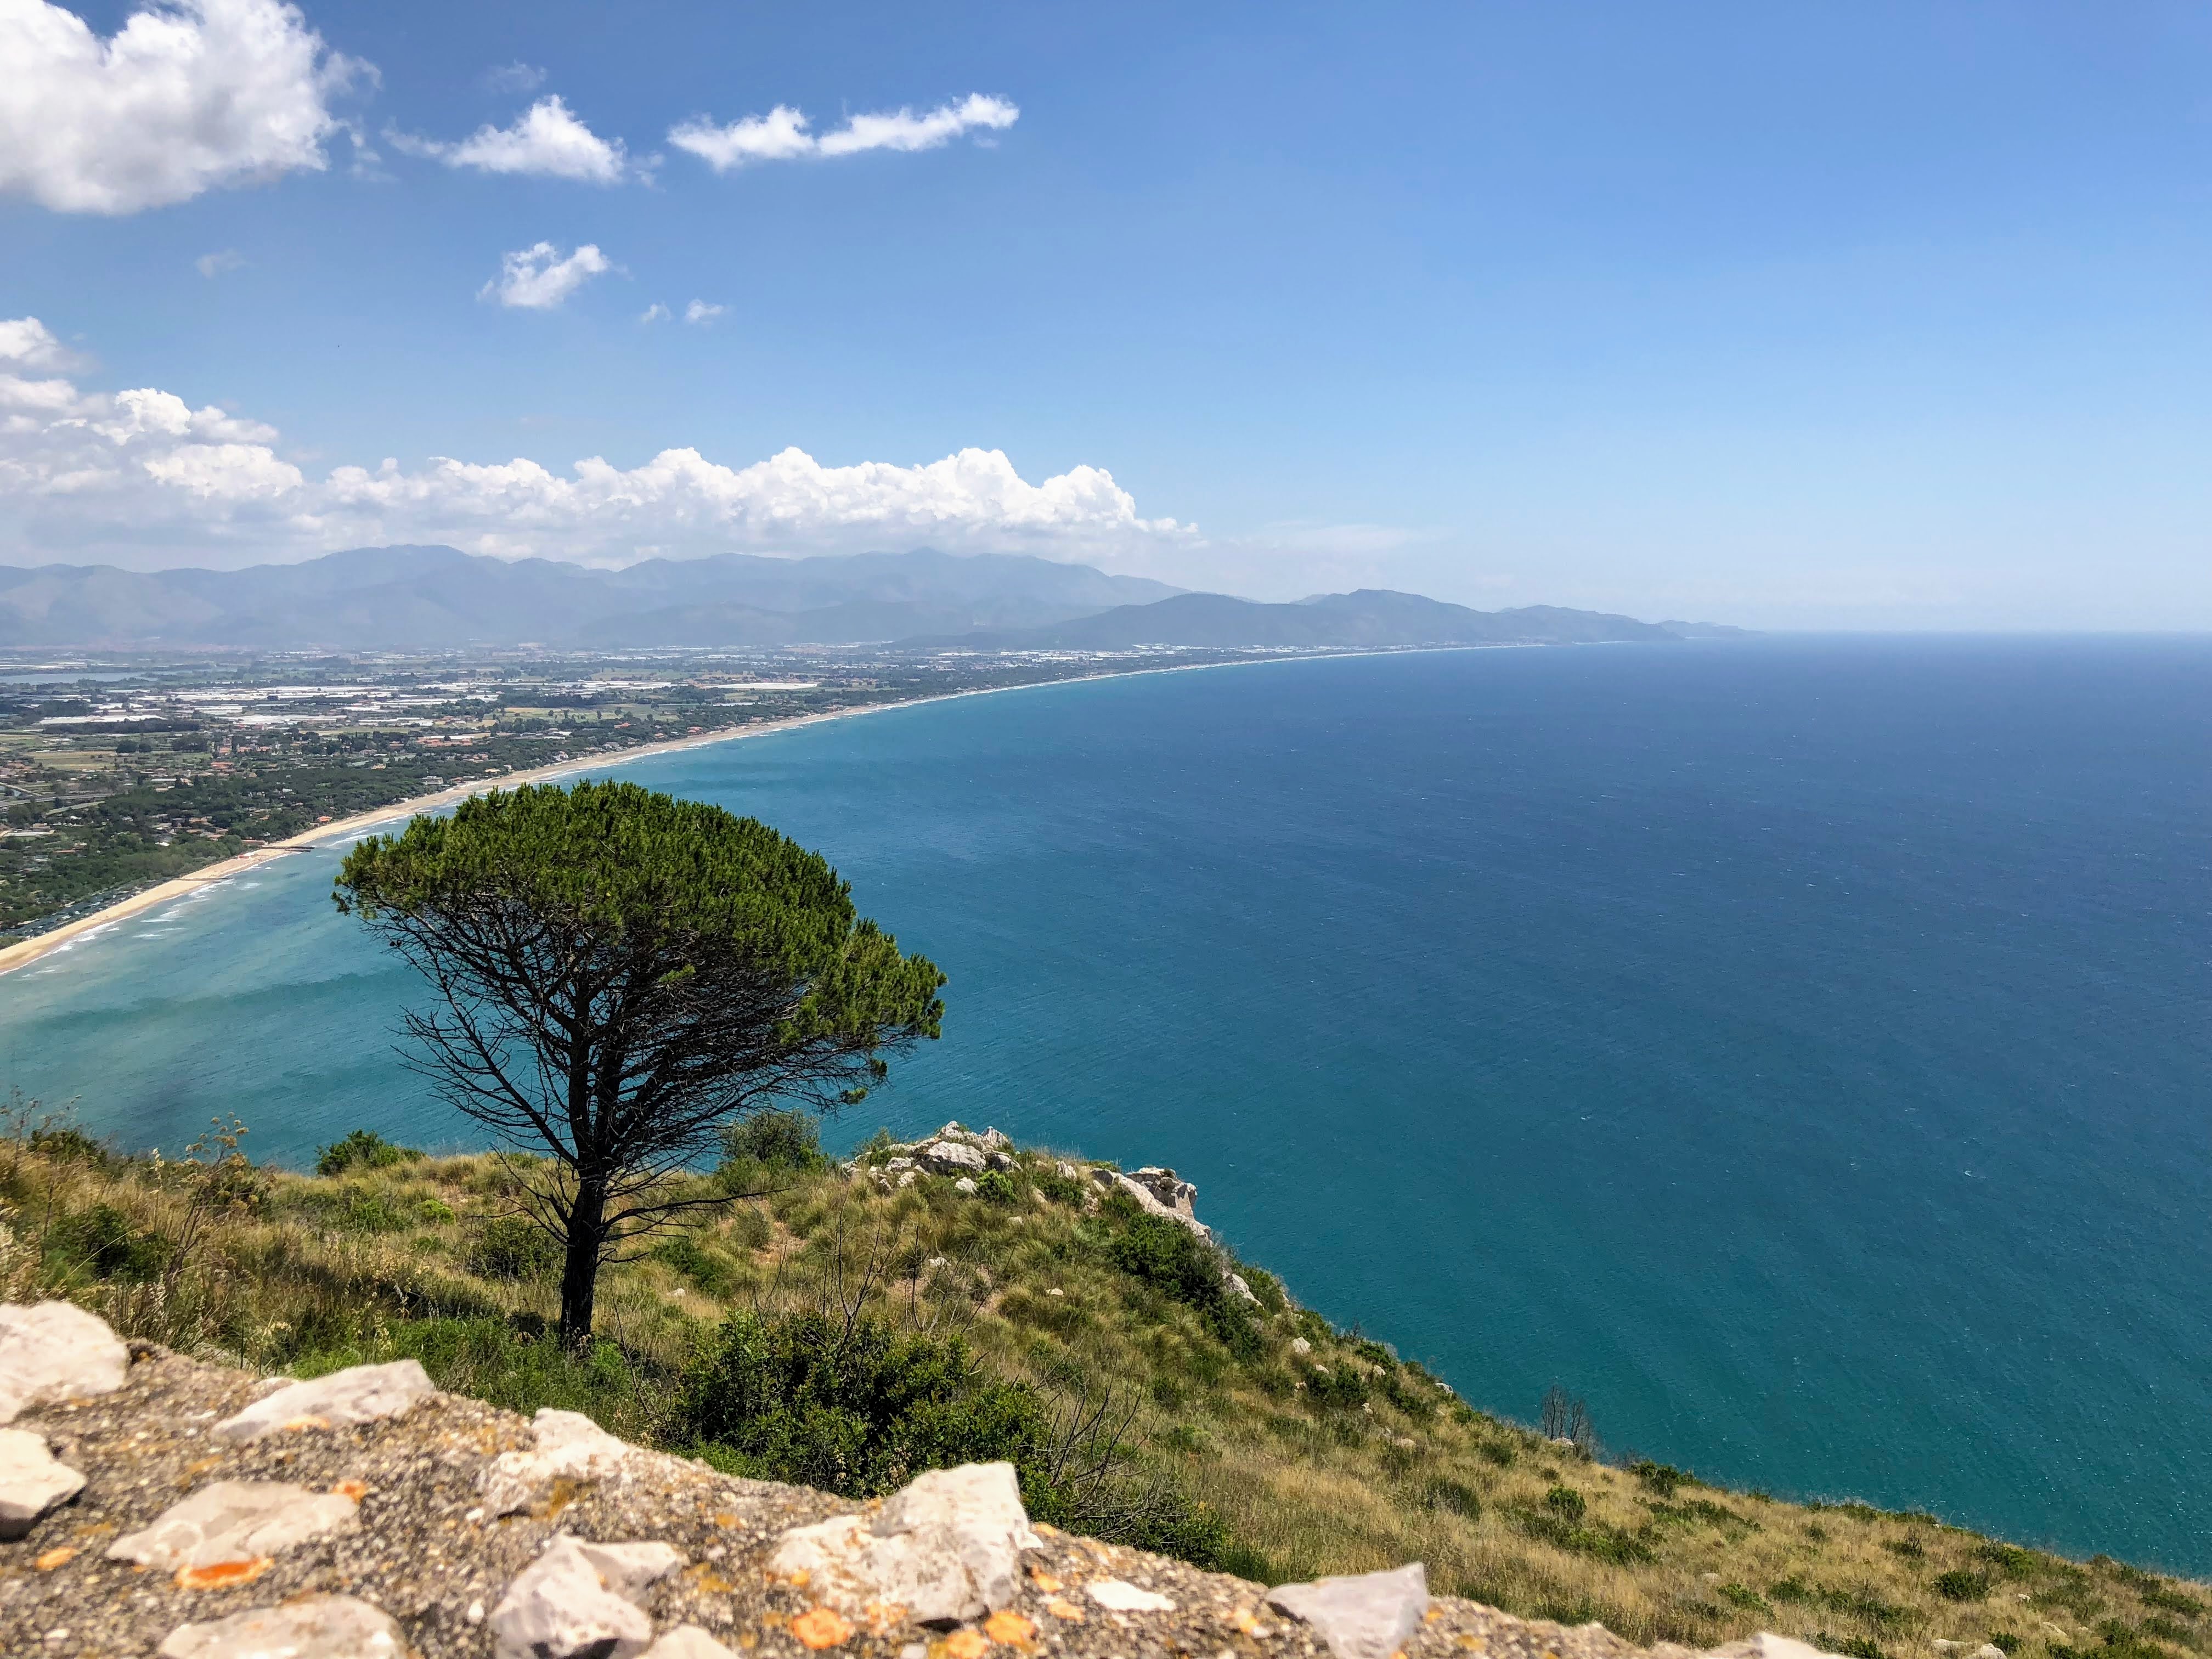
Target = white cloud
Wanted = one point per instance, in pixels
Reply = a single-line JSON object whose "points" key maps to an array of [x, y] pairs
{"points": [[781, 135], [213, 264], [28, 341], [536, 278], [546, 141], [184, 98], [655, 313], [700, 312], [514, 77], [143, 476]]}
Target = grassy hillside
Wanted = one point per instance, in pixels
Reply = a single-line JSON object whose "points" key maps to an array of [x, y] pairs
{"points": [[1148, 1398]]}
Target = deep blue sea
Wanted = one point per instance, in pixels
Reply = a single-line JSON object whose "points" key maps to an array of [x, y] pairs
{"points": [[1797, 1048]]}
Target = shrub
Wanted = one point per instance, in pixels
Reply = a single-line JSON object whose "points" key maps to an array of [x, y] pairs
{"points": [[514, 1246], [2007, 1641], [1565, 1500], [1060, 1188], [1555, 1525], [1340, 1386], [70, 1146], [798, 1399], [1664, 1478], [1961, 1584], [363, 1149], [777, 1142], [1742, 1595], [709, 1273], [113, 1246], [1441, 1492], [997, 1187], [1171, 1258], [1859, 1647]]}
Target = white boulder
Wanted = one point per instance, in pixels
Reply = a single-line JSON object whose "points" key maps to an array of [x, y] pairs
{"points": [[1149, 1202], [952, 1158], [947, 1548], [570, 1447], [315, 1627], [234, 1520], [1369, 1616], [361, 1393], [54, 1351], [965, 1185], [579, 1599], [32, 1481]]}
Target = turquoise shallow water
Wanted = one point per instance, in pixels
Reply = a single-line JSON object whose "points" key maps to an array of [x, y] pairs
{"points": [[1799, 1049]]}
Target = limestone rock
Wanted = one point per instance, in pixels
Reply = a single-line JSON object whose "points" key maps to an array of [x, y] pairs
{"points": [[1366, 1617], [317, 1627], [945, 1548], [362, 1394], [234, 1520], [952, 1158], [1989, 1651], [955, 1131], [32, 1481], [1149, 1202], [570, 1447], [688, 1642], [1300, 1345], [1237, 1287], [964, 1185], [1768, 1645], [53, 1351], [999, 1160], [578, 1599], [1163, 1184], [991, 1140], [1118, 1596]]}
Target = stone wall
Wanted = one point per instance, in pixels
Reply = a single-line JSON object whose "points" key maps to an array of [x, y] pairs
{"points": [[154, 1504]]}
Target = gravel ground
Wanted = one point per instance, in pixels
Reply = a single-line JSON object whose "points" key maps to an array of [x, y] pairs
{"points": [[423, 1549]]}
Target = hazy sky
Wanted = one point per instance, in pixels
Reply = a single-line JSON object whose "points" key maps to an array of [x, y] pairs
{"points": [[1845, 315]]}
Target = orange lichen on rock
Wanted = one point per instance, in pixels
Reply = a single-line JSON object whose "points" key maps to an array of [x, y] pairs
{"points": [[820, 1627], [222, 1575], [60, 1556], [1008, 1626], [966, 1644]]}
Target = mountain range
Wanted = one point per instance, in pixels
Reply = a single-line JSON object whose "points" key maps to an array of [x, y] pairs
{"points": [[425, 599]]}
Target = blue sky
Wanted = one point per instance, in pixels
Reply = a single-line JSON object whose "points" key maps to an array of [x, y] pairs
{"points": [[1805, 316]]}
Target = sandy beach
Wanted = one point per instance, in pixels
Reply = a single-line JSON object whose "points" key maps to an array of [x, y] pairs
{"points": [[23, 953]]}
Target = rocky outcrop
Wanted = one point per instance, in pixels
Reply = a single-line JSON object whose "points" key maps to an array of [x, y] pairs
{"points": [[392, 1521]]}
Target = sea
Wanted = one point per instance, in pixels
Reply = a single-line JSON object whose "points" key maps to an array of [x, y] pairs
{"points": [[1797, 1048]]}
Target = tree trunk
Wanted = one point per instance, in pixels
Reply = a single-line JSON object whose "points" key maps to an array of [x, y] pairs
{"points": [[580, 1273]]}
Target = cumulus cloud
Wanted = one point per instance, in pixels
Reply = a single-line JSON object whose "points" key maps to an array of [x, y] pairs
{"points": [[187, 97], [700, 312], [547, 141], [536, 278], [213, 264], [782, 134], [90, 474], [655, 313]]}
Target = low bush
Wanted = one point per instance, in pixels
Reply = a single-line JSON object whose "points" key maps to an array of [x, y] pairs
{"points": [[860, 1411], [1664, 1479], [1961, 1584], [111, 1245], [771, 1143], [514, 1247], [363, 1149]]}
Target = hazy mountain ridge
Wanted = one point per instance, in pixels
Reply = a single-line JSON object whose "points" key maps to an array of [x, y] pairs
{"points": [[415, 599], [436, 598], [1371, 616]]}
